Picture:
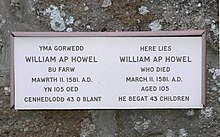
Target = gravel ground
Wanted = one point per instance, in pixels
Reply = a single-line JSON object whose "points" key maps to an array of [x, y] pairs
{"points": [[111, 15]]}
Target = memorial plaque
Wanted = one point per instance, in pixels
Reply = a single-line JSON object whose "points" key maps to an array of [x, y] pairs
{"points": [[108, 70]]}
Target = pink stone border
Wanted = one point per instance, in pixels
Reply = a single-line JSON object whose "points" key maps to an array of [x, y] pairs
{"points": [[114, 34], [189, 33]]}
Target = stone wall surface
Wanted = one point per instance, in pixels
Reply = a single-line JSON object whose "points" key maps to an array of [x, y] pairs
{"points": [[111, 15]]}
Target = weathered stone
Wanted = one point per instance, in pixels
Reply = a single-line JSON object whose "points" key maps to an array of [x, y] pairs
{"points": [[108, 15], [182, 133], [143, 10], [106, 3], [155, 25], [2, 22], [56, 20]]}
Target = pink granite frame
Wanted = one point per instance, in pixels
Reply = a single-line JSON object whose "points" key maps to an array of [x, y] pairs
{"points": [[189, 33]]}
